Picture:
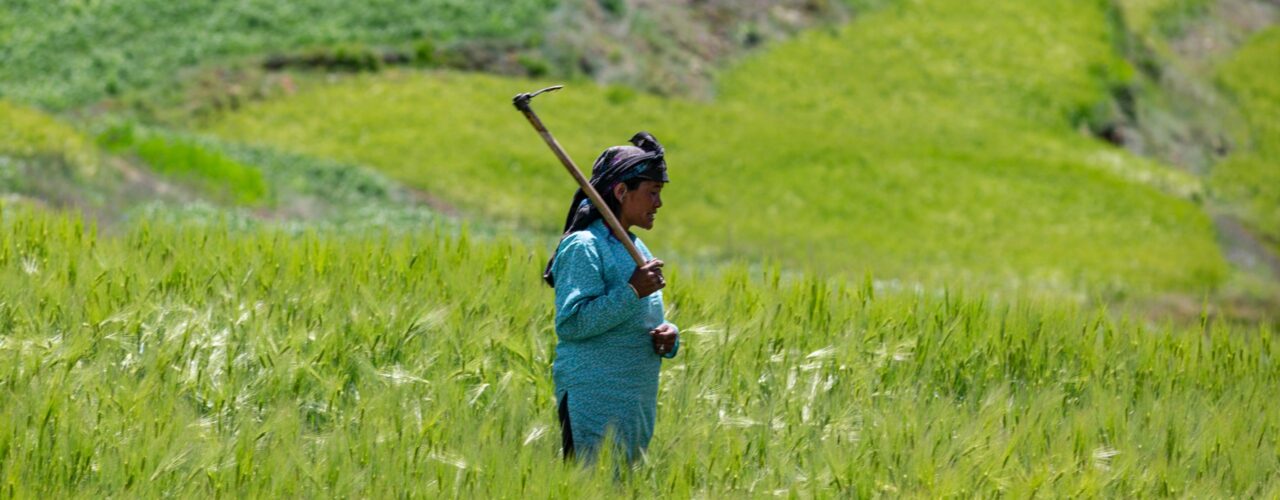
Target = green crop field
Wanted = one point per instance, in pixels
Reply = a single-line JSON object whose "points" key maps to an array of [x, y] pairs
{"points": [[915, 155], [902, 259], [63, 54], [200, 361]]}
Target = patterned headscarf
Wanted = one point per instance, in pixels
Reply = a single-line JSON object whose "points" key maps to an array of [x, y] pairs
{"points": [[644, 160]]}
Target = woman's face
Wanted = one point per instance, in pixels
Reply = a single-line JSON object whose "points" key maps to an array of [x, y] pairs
{"points": [[639, 206]]}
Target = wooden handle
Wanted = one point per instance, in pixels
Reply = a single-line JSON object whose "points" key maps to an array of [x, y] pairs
{"points": [[596, 200]]}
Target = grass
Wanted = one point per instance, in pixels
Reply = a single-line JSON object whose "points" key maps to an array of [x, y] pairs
{"points": [[1161, 18], [203, 361], [308, 194], [1250, 177], [923, 150], [48, 160], [66, 54], [216, 173], [132, 171], [29, 133], [44, 160], [136, 56]]}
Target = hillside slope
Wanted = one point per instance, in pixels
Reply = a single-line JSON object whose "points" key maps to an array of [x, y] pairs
{"points": [[140, 55], [1250, 177], [65, 54], [930, 141]]}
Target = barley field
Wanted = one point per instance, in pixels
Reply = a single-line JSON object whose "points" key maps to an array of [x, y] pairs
{"points": [[906, 256], [205, 361]]}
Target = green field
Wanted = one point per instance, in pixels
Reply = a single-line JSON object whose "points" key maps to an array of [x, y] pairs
{"points": [[63, 54], [178, 361], [915, 156], [902, 260]]}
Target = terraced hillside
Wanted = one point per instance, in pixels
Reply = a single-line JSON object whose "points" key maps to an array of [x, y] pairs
{"points": [[916, 145], [62, 54]]}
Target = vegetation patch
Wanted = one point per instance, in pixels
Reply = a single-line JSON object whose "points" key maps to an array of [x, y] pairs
{"points": [[1250, 178], [187, 160], [49, 162], [28, 132], [72, 55], [1167, 18], [66, 54]]}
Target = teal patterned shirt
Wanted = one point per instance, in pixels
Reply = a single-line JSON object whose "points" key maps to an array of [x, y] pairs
{"points": [[605, 362]]}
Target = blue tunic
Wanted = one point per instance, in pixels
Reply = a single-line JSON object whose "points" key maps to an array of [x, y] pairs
{"points": [[605, 361]]}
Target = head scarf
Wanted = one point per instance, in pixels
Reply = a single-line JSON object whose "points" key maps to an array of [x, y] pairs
{"points": [[644, 160]]}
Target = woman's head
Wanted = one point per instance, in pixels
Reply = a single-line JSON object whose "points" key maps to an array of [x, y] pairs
{"points": [[635, 202], [629, 179], [618, 175]]}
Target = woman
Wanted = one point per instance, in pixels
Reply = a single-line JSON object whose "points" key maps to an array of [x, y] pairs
{"points": [[612, 334]]}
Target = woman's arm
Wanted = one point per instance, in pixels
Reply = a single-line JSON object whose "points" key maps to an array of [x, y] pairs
{"points": [[584, 307]]}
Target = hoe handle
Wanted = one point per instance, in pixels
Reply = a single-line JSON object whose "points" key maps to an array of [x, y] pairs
{"points": [[522, 103]]}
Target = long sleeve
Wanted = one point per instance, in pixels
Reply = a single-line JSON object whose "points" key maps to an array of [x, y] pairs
{"points": [[605, 367], [584, 307]]}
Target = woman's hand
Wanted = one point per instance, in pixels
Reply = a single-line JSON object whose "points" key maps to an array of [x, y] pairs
{"points": [[648, 278], [664, 339]]}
